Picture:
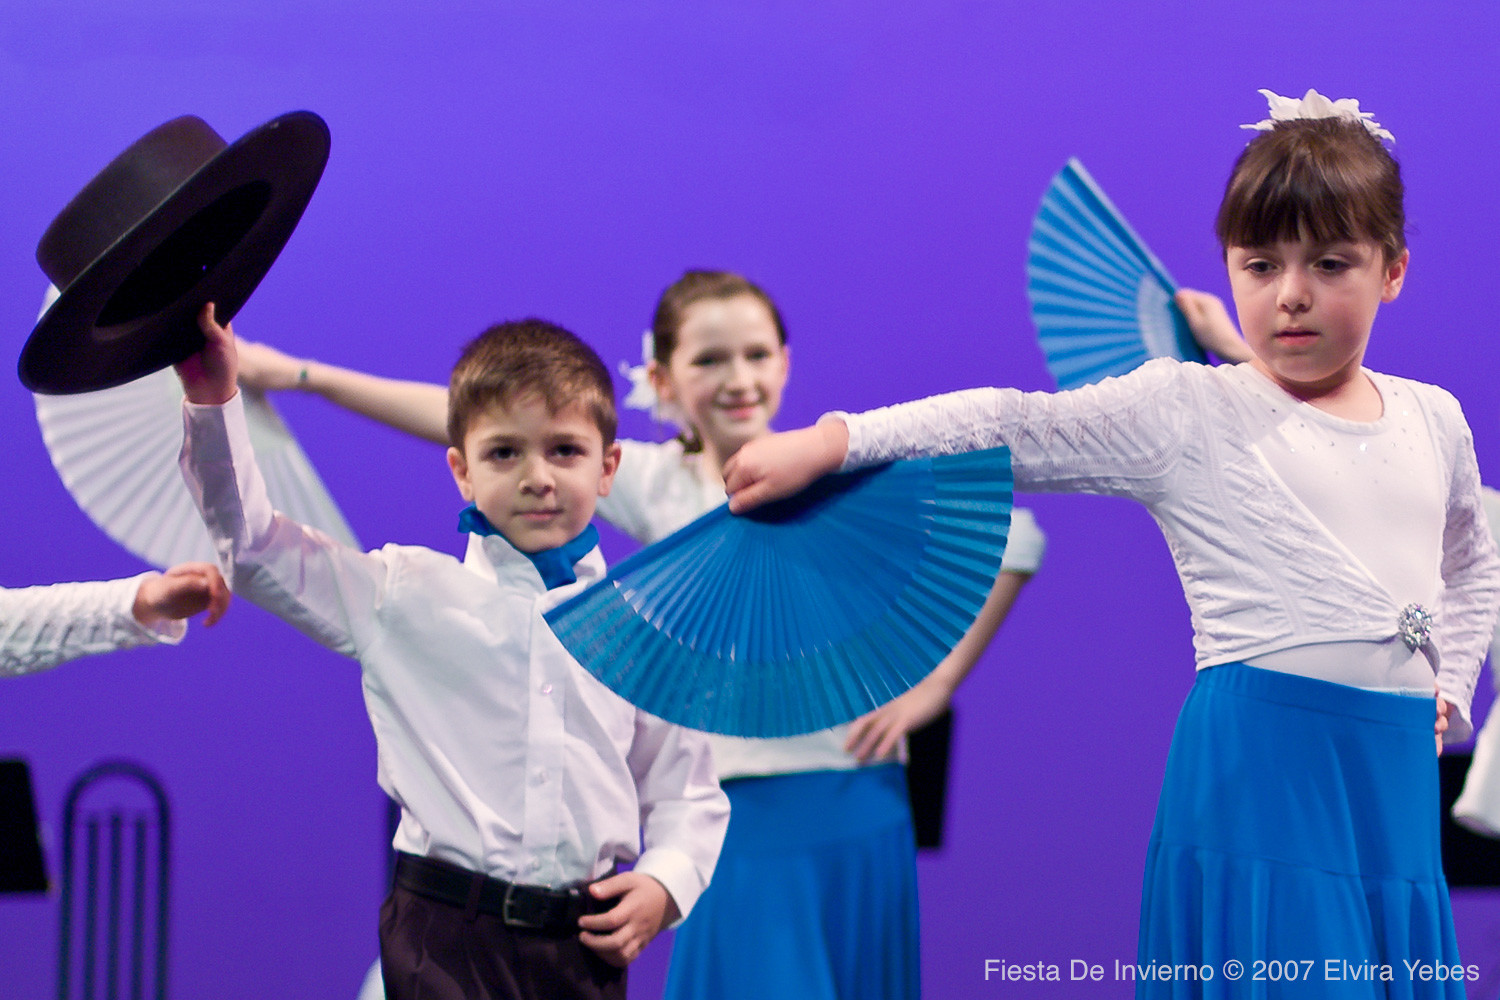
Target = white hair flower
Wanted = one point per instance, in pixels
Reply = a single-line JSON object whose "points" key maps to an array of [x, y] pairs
{"points": [[642, 395], [1315, 105]]}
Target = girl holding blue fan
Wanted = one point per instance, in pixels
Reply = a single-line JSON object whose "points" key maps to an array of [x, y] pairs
{"points": [[815, 891], [1327, 525]]}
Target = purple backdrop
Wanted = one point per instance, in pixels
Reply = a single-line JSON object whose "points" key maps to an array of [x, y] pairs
{"points": [[876, 166]]}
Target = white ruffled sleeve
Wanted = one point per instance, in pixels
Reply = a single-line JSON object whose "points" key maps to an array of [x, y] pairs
{"points": [[41, 627], [1121, 437], [1471, 583]]}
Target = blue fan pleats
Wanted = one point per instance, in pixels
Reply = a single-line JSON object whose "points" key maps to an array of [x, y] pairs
{"points": [[1101, 300], [806, 613]]}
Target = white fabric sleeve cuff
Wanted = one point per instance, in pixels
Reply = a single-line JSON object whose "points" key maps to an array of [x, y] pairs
{"points": [[1460, 720], [168, 633], [852, 425], [1025, 543]]}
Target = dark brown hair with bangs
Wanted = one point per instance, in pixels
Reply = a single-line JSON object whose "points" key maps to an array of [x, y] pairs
{"points": [[1323, 179], [510, 361]]}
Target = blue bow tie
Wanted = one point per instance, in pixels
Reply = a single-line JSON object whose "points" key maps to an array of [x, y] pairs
{"points": [[555, 565]]}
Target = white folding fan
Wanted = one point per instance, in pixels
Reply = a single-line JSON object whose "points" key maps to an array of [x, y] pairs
{"points": [[116, 452], [804, 613], [1101, 301]]}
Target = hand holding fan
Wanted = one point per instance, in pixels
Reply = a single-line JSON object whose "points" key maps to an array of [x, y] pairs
{"points": [[1101, 301], [805, 613]]}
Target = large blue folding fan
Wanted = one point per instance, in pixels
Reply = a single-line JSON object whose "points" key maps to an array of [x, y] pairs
{"points": [[805, 613], [1101, 301]]}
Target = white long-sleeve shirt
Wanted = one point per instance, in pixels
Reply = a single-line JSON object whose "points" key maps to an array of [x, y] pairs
{"points": [[1260, 572], [41, 627], [505, 756], [658, 489]]}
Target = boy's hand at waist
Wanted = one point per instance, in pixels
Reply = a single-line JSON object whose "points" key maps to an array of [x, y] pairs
{"points": [[644, 908], [779, 465], [209, 377]]}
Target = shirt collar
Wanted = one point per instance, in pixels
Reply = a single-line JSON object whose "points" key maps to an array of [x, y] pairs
{"points": [[556, 566]]}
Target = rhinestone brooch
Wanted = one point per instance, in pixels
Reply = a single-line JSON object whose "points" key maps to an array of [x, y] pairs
{"points": [[1414, 626]]}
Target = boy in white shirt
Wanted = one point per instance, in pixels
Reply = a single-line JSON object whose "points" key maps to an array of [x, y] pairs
{"points": [[523, 782]]}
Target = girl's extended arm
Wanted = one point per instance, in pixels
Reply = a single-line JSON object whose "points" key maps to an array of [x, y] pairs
{"points": [[1123, 436], [41, 627], [418, 408], [181, 592]]}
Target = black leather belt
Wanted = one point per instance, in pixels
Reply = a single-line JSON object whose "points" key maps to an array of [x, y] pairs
{"points": [[523, 907]]}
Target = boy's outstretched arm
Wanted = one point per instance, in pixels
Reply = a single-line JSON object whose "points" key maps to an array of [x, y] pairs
{"points": [[644, 907], [778, 465], [208, 377]]}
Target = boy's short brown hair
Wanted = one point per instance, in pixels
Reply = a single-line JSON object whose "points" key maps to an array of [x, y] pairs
{"points": [[512, 360]]}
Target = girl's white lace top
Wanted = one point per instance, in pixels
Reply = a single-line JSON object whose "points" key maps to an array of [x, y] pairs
{"points": [[1260, 571], [41, 627]]}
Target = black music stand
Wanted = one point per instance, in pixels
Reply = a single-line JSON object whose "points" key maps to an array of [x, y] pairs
{"points": [[21, 866]]}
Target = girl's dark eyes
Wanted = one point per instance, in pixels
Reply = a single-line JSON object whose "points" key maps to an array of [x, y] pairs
{"points": [[708, 360]]}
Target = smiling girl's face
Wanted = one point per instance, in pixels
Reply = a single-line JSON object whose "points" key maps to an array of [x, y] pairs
{"points": [[726, 372]]}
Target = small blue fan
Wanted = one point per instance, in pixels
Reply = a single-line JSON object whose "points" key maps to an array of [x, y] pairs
{"points": [[805, 613], [1101, 301]]}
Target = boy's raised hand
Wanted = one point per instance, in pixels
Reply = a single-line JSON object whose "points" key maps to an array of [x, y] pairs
{"points": [[778, 465], [644, 908], [208, 377], [181, 592]]}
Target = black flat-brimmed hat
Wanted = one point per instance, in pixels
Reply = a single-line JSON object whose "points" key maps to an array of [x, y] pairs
{"points": [[178, 219]]}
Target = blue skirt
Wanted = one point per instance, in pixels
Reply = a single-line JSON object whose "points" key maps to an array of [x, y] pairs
{"points": [[814, 896], [1298, 823]]}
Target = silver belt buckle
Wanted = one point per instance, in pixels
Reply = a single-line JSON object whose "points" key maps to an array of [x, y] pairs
{"points": [[506, 915]]}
